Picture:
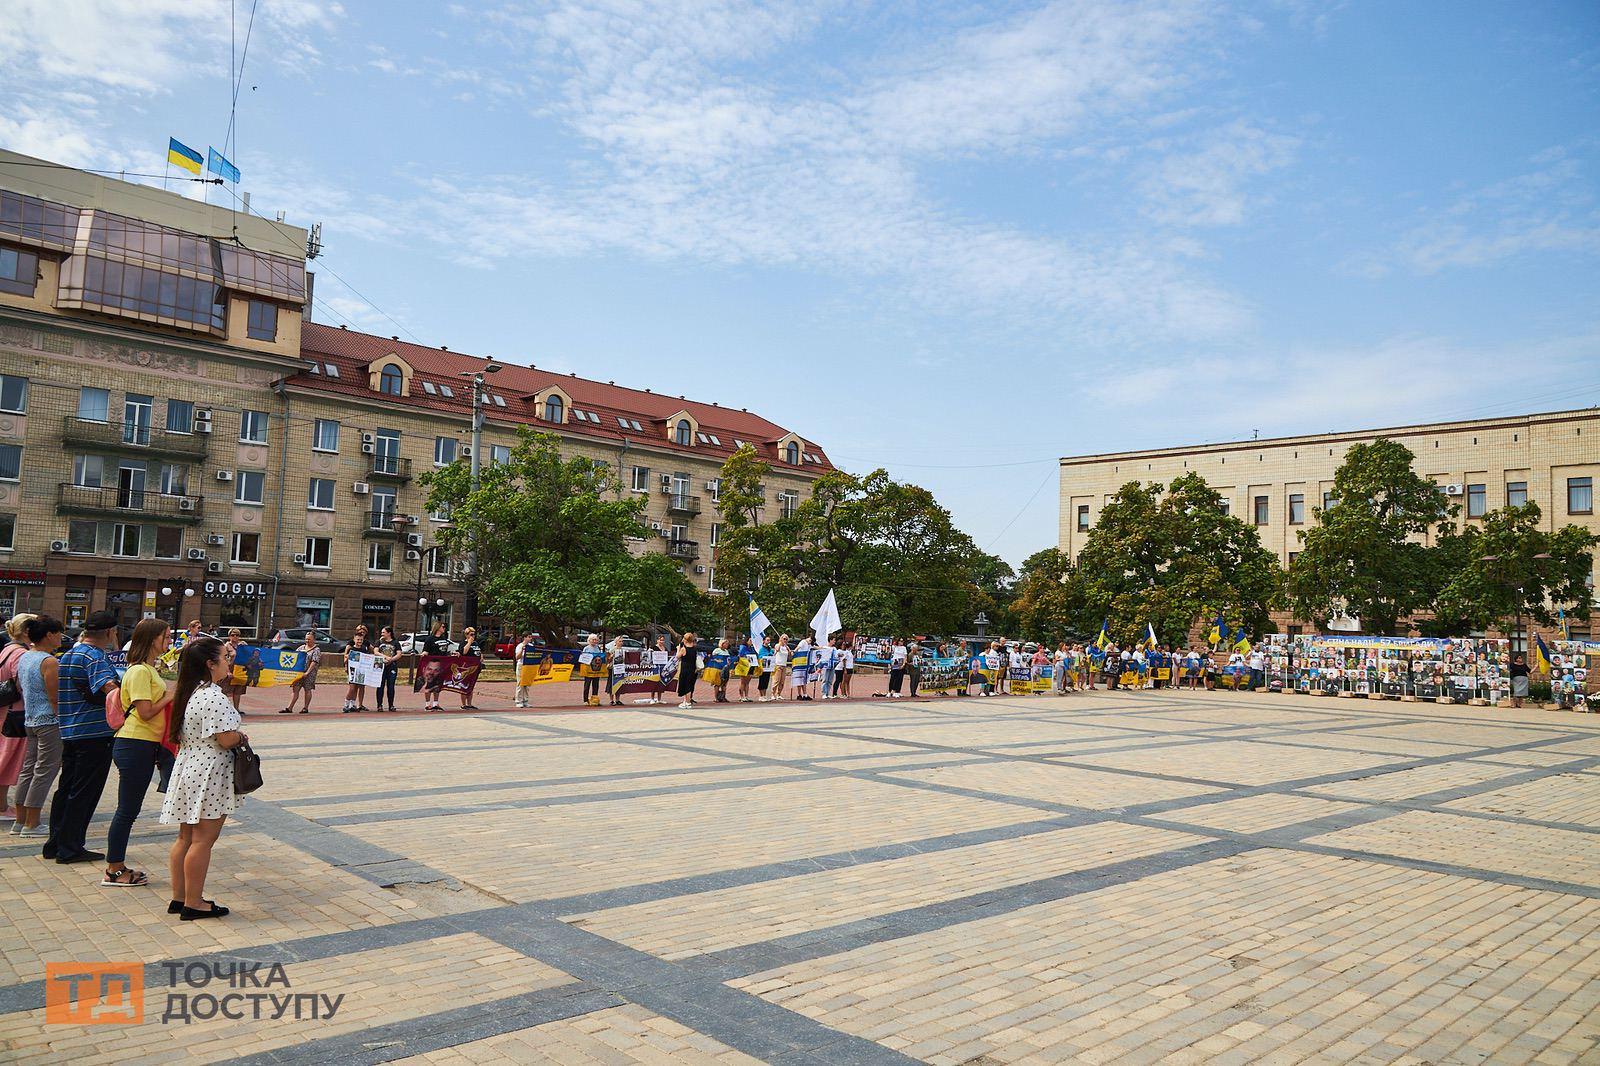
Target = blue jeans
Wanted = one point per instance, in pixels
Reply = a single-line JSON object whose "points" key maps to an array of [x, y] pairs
{"points": [[136, 761]]}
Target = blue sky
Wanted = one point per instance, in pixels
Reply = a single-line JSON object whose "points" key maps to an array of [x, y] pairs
{"points": [[957, 240]]}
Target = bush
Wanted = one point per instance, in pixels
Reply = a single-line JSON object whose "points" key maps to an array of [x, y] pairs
{"points": [[1539, 691]]}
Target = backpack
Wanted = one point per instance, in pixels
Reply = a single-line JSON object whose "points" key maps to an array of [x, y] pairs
{"points": [[116, 714]]}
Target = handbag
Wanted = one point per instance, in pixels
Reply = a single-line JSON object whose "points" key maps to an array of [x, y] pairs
{"points": [[15, 725], [246, 770]]}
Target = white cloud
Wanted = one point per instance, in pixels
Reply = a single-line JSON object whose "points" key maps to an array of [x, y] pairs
{"points": [[142, 45], [1204, 183]]}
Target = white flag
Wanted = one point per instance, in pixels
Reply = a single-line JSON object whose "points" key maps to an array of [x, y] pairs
{"points": [[826, 621]]}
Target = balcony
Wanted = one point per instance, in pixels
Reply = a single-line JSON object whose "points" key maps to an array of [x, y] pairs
{"points": [[388, 468], [127, 504], [132, 437], [684, 550], [380, 525], [680, 503]]}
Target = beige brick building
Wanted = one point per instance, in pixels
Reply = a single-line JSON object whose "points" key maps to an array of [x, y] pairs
{"points": [[1278, 484], [177, 437]]}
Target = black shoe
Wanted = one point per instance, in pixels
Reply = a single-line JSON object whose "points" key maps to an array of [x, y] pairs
{"points": [[82, 856], [188, 914], [176, 906]]}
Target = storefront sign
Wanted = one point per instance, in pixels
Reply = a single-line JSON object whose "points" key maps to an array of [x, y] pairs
{"points": [[257, 589], [377, 607], [21, 577]]}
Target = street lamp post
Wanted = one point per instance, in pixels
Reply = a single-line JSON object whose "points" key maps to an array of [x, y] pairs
{"points": [[479, 394], [188, 593]]}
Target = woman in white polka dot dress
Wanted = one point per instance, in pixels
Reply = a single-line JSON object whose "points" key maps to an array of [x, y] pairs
{"points": [[200, 795]]}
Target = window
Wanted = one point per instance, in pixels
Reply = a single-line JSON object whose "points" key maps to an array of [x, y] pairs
{"points": [[314, 612], [180, 416], [330, 370], [19, 270], [499, 453], [788, 501], [677, 534], [1083, 518], [441, 513], [391, 381], [383, 508], [263, 324], [445, 450], [1580, 495], [324, 435], [169, 542], [1227, 506], [174, 479], [1516, 493], [716, 534], [714, 486], [427, 387], [791, 454], [94, 405], [319, 552], [641, 479], [136, 411], [1328, 500], [1263, 510], [125, 540], [246, 548], [386, 451], [82, 537], [252, 427], [711, 579], [319, 494], [13, 394], [1297, 508], [1477, 500], [10, 462], [249, 486], [88, 471], [380, 556], [683, 434], [8, 531], [437, 562], [552, 409], [446, 391], [1292, 557]]}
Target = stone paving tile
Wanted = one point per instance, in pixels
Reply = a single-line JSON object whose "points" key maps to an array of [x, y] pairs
{"points": [[627, 1034], [1573, 798], [1238, 761], [379, 987], [1404, 784], [554, 851], [1271, 956], [60, 912], [712, 921], [1069, 785], [1532, 851], [1256, 813]]}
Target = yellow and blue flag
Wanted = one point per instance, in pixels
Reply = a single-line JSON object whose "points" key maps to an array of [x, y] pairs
{"points": [[181, 155], [1104, 638], [1541, 654], [1219, 632], [1150, 636], [1243, 645], [218, 164]]}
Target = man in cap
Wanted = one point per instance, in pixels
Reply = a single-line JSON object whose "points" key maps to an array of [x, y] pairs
{"points": [[87, 676]]}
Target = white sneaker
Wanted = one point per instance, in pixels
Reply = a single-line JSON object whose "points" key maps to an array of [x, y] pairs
{"points": [[685, 705], [16, 829], [35, 831]]}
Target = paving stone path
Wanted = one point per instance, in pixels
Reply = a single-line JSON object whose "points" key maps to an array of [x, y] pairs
{"points": [[1115, 877]]}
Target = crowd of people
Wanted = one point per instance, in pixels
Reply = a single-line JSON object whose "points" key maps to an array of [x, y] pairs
{"points": [[73, 717]]}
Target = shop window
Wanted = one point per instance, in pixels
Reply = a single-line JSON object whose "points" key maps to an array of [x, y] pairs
{"points": [[239, 612], [313, 612]]}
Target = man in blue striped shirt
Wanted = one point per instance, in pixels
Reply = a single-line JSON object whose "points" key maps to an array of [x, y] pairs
{"points": [[87, 676]]}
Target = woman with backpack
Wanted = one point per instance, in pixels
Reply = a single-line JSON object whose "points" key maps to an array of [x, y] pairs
{"points": [[139, 748]]}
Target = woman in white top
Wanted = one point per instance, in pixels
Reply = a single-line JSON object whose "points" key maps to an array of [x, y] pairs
{"points": [[200, 795], [780, 667], [843, 667]]}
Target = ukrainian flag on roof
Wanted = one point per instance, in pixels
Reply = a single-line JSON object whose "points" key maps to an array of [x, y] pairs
{"points": [[181, 155]]}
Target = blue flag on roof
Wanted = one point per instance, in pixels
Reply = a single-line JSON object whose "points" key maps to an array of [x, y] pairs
{"points": [[219, 165]]}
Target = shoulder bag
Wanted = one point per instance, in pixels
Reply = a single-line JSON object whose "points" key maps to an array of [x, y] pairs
{"points": [[246, 770]]}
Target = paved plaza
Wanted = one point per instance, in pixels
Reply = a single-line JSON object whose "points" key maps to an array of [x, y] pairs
{"points": [[1116, 877]]}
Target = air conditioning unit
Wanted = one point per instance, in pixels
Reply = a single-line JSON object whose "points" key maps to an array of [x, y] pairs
{"points": [[213, 568], [1454, 490], [368, 448], [666, 534], [699, 569], [185, 503], [299, 559], [369, 438], [412, 555], [466, 451], [414, 540], [58, 546], [216, 540], [656, 526], [198, 555], [666, 482], [360, 488], [202, 420], [411, 519], [224, 475]]}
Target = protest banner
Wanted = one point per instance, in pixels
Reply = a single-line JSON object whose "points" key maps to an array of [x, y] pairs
{"points": [[639, 672], [361, 667], [718, 665], [259, 667], [458, 673], [541, 666]]}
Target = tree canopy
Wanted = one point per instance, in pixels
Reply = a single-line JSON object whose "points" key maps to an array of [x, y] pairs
{"points": [[552, 545], [1505, 566]]}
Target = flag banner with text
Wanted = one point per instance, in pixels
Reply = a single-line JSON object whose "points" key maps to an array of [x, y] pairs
{"points": [[266, 667], [541, 666], [458, 673]]}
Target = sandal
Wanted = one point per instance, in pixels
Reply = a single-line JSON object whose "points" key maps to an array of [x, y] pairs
{"points": [[127, 877]]}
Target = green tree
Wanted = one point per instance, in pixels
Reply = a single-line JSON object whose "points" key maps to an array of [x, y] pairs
{"points": [[1506, 568], [552, 545], [1365, 555], [1171, 556], [1049, 605]]}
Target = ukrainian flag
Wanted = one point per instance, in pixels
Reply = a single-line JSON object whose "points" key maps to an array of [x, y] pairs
{"points": [[1219, 632], [1541, 654], [1150, 636], [181, 155], [1243, 646], [1104, 638]]}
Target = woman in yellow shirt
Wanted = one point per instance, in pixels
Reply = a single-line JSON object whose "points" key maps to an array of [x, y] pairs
{"points": [[138, 749]]}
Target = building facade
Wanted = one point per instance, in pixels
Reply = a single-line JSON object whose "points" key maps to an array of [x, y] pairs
{"points": [[177, 437], [1280, 484]]}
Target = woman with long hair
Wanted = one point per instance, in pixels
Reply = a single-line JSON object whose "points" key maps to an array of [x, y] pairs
{"points": [[470, 648], [235, 688], [389, 651], [38, 675], [306, 684], [200, 797], [688, 669], [355, 694], [138, 749], [11, 748]]}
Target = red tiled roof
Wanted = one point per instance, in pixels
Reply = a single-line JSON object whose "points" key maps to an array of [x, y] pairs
{"points": [[351, 352]]}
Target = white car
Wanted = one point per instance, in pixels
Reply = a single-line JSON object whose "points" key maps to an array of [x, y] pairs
{"points": [[411, 644]]}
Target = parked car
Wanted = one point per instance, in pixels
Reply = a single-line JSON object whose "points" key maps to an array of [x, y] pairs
{"points": [[293, 638], [506, 647], [411, 644]]}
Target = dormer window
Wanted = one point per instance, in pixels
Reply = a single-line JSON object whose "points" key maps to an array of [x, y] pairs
{"points": [[792, 453], [683, 433], [553, 409], [391, 381]]}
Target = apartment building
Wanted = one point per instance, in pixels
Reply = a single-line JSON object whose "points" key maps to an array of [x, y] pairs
{"points": [[178, 438], [1278, 484]]}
